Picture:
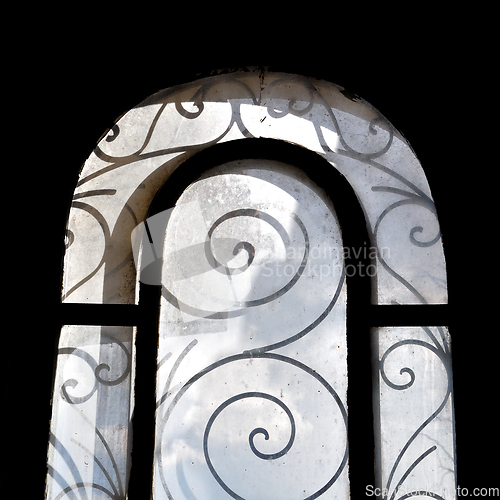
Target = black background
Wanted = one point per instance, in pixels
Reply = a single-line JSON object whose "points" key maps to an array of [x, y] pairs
{"points": [[78, 79]]}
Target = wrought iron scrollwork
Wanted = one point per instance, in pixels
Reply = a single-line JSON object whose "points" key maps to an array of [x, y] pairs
{"points": [[285, 97], [210, 375], [97, 370], [441, 351], [232, 421]]}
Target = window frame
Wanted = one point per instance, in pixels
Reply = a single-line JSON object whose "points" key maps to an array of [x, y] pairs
{"points": [[379, 315]]}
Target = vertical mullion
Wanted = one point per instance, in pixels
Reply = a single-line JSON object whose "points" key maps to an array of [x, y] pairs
{"points": [[143, 420]]}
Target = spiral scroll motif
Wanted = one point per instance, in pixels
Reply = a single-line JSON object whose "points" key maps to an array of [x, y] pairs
{"points": [[236, 416], [248, 247], [229, 258], [279, 426], [420, 356], [97, 369]]}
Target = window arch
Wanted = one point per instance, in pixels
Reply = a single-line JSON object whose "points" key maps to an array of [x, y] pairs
{"points": [[94, 379]]}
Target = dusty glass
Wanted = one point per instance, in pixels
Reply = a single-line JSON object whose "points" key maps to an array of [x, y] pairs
{"points": [[252, 341], [107, 255]]}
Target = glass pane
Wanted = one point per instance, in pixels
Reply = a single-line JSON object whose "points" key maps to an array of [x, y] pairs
{"points": [[89, 447], [416, 425], [252, 367]]}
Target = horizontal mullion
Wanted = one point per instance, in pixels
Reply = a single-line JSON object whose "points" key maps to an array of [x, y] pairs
{"points": [[378, 315], [409, 315], [100, 314]]}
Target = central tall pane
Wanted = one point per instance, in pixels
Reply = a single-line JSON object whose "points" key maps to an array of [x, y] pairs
{"points": [[252, 371]]}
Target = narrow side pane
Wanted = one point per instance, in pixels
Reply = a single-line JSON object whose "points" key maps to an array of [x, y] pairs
{"points": [[89, 449], [413, 400]]}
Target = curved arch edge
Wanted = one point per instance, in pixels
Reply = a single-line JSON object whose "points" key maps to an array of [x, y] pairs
{"points": [[120, 179]]}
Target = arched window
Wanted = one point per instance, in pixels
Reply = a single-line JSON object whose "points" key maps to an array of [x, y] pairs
{"points": [[240, 199]]}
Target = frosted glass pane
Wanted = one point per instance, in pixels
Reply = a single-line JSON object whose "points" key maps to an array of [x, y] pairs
{"points": [[252, 370], [416, 434], [89, 450]]}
